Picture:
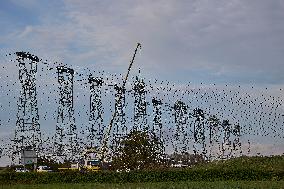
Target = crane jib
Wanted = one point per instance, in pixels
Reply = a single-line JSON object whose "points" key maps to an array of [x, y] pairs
{"points": [[103, 148]]}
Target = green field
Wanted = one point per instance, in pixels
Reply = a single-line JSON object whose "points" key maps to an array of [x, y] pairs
{"points": [[243, 172], [161, 185], [274, 163]]}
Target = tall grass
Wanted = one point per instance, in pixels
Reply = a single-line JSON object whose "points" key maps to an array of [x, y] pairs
{"points": [[160, 185], [240, 169], [274, 163]]}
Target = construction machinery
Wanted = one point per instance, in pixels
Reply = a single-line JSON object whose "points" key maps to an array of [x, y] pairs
{"points": [[103, 149], [93, 159], [100, 154], [44, 169], [90, 162]]}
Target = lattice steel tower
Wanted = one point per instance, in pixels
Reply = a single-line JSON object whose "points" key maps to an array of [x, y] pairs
{"points": [[237, 145], [140, 114], [214, 126], [199, 146], [27, 133], [180, 136], [157, 120], [226, 143], [96, 129], [119, 128], [66, 142]]}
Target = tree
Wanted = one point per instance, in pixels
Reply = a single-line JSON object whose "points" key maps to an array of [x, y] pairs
{"points": [[138, 150]]}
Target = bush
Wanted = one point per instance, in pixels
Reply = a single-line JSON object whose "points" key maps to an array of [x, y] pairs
{"points": [[140, 176]]}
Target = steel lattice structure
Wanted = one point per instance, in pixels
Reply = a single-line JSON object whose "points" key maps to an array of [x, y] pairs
{"points": [[140, 105], [27, 132], [66, 142], [236, 149], [157, 120], [181, 116], [214, 146], [96, 128], [215, 126], [119, 126], [226, 143], [199, 132]]}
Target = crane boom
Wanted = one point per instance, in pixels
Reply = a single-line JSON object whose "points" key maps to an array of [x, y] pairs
{"points": [[103, 148]]}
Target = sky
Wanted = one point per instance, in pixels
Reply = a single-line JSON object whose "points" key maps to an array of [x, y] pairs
{"points": [[236, 42]]}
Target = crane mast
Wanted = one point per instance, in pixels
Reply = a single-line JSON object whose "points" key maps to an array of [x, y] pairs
{"points": [[103, 148]]}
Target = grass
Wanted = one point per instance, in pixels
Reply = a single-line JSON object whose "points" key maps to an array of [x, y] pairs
{"points": [[242, 172], [159, 185], [274, 163]]}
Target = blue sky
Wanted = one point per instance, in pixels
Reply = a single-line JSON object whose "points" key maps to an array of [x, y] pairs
{"points": [[222, 41], [236, 42]]}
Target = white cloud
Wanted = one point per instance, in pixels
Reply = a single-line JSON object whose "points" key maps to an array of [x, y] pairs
{"points": [[218, 38], [227, 36], [237, 39]]}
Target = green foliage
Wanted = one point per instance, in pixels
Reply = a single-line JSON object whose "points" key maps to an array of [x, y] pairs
{"points": [[158, 185], [239, 169], [274, 163], [138, 150], [140, 176]]}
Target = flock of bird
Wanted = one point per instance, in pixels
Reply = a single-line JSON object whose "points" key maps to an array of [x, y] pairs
{"points": [[182, 112]]}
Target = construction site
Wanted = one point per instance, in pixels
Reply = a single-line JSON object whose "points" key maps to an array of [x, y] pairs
{"points": [[207, 122]]}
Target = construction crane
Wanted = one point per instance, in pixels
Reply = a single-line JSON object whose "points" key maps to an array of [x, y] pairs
{"points": [[91, 163], [102, 150]]}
